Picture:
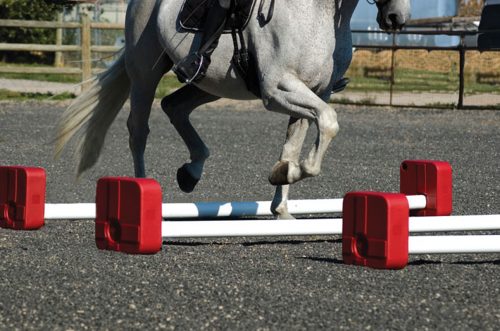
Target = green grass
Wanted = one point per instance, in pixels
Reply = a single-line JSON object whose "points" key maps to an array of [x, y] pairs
{"points": [[58, 78], [407, 80], [13, 95], [168, 84]]}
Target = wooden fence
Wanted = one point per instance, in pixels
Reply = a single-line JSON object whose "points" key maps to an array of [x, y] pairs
{"points": [[85, 47]]}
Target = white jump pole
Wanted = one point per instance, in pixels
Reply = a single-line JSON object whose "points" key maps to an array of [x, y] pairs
{"points": [[70, 211], [311, 227], [251, 228], [453, 244], [216, 209]]}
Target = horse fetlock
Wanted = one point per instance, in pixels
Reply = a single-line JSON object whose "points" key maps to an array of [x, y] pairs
{"points": [[279, 173], [200, 155], [310, 168], [281, 211], [195, 169], [285, 172]]}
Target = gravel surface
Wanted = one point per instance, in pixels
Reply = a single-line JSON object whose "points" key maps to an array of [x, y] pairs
{"points": [[56, 279]]}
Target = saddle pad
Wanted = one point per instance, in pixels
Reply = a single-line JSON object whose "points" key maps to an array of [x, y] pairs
{"points": [[193, 13]]}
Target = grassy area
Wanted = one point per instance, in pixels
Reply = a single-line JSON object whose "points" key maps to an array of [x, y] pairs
{"points": [[13, 95], [57, 78], [407, 80], [167, 85]]}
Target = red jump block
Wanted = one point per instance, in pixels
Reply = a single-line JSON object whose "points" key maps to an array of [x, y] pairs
{"points": [[128, 215], [432, 179], [22, 197], [375, 230]]}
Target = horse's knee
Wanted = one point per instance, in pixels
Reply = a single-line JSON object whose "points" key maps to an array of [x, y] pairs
{"points": [[328, 124], [179, 104]]}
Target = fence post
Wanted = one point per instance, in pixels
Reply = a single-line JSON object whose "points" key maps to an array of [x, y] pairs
{"points": [[462, 73], [393, 64], [86, 56], [58, 60]]}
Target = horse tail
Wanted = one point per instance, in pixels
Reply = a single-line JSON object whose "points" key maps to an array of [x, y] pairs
{"points": [[89, 116]]}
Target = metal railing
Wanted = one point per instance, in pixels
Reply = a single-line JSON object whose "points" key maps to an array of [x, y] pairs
{"points": [[461, 48]]}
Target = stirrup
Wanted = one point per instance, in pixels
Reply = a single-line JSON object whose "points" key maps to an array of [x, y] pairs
{"points": [[192, 68]]}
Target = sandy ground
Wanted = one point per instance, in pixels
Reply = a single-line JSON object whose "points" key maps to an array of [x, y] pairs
{"points": [[56, 279]]}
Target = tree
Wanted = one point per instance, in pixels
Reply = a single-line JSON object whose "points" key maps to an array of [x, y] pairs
{"points": [[39, 10]]}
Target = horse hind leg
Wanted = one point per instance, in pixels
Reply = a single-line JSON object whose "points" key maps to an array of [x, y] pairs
{"points": [[178, 106], [146, 64], [142, 95]]}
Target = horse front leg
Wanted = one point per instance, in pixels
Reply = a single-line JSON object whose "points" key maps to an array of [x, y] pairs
{"points": [[178, 106], [291, 96], [296, 134]]}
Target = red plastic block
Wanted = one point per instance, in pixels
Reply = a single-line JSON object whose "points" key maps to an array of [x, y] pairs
{"points": [[128, 215], [22, 197], [432, 179], [375, 230]]}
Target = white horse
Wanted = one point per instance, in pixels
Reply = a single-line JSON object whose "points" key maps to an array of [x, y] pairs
{"points": [[301, 53]]}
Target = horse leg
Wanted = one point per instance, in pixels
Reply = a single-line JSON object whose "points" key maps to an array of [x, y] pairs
{"points": [[293, 97], [178, 106], [146, 63], [141, 99], [296, 134]]}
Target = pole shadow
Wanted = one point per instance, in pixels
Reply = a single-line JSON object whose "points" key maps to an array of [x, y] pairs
{"points": [[321, 259]]}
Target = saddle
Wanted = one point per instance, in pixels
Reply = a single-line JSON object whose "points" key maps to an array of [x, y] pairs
{"points": [[193, 13]]}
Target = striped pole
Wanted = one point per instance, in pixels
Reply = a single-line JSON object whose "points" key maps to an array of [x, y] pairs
{"points": [[203, 210]]}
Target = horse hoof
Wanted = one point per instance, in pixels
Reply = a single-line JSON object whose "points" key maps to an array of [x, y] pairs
{"points": [[186, 182], [279, 174]]}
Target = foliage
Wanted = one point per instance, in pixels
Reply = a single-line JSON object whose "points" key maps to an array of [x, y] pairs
{"points": [[39, 10], [470, 7]]}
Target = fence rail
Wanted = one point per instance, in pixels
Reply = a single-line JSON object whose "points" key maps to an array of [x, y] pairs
{"points": [[85, 48], [462, 48]]}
